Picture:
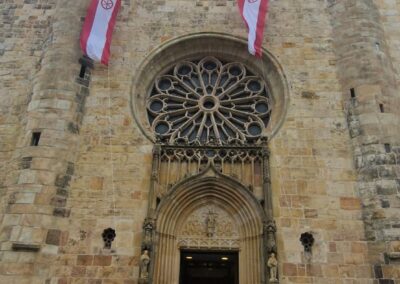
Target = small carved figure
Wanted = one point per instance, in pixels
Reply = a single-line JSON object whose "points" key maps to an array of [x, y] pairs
{"points": [[147, 237], [269, 231], [273, 268], [211, 223], [144, 265], [148, 227]]}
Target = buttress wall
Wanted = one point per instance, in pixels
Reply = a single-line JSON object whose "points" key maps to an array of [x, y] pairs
{"points": [[25, 33], [365, 44]]}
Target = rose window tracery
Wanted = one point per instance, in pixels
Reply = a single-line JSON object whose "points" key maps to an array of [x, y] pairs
{"points": [[209, 100]]}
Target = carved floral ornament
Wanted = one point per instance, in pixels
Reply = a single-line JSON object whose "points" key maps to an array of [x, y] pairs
{"points": [[209, 226], [209, 101]]}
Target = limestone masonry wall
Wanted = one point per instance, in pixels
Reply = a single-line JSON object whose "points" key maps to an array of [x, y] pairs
{"points": [[366, 56], [25, 32], [334, 163]]}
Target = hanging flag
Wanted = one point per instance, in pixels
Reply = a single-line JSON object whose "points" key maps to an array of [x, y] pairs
{"points": [[254, 13], [97, 29]]}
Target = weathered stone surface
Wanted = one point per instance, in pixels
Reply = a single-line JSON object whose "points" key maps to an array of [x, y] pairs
{"points": [[332, 171], [53, 237]]}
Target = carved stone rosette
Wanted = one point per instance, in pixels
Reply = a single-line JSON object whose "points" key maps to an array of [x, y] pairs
{"points": [[209, 99]]}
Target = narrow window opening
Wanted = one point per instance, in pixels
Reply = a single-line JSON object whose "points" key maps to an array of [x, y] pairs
{"points": [[377, 46], [35, 138], [387, 148], [352, 93], [382, 109], [82, 72]]}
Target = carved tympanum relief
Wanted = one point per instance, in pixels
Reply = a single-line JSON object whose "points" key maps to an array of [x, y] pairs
{"points": [[209, 227]]}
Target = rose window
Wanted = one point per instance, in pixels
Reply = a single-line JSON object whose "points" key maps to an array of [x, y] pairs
{"points": [[209, 100]]}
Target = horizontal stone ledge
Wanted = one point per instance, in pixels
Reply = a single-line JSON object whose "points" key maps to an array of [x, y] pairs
{"points": [[25, 247], [393, 255]]}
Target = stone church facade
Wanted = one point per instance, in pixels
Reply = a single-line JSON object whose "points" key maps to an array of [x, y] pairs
{"points": [[186, 146]]}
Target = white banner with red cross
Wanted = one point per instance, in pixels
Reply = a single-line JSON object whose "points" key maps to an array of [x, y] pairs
{"points": [[97, 29], [254, 13]]}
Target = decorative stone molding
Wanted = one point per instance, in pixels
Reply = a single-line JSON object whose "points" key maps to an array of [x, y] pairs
{"points": [[241, 162]]}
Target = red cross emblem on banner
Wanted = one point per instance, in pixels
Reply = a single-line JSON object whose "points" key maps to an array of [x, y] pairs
{"points": [[108, 4]]}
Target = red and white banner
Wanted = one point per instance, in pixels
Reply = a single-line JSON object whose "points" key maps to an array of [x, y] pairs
{"points": [[254, 13], [97, 29]]}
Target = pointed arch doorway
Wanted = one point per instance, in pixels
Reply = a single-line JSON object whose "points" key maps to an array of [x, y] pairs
{"points": [[209, 213]]}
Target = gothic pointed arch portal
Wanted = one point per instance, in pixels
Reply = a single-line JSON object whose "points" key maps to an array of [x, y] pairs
{"points": [[208, 197], [211, 212]]}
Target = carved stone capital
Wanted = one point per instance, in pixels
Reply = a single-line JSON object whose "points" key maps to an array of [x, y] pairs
{"points": [[149, 224], [157, 149], [154, 175], [270, 226], [265, 151], [266, 179], [264, 140]]}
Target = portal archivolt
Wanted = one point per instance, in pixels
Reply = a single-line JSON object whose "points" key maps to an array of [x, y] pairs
{"points": [[183, 222]]}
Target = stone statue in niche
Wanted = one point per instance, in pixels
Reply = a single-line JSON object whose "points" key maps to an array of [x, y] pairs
{"points": [[148, 228], [272, 264], [269, 231], [144, 266], [211, 223]]}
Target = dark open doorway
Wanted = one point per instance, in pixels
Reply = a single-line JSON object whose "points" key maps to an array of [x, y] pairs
{"points": [[209, 267]]}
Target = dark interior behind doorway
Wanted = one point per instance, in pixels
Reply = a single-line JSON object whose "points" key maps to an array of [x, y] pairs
{"points": [[205, 267]]}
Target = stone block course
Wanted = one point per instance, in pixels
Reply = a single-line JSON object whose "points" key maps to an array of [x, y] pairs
{"points": [[324, 180], [53, 237], [102, 260]]}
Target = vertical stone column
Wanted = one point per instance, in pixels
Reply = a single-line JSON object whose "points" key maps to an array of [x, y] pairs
{"points": [[370, 99], [154, 181], [37, 204], [269, 227]]}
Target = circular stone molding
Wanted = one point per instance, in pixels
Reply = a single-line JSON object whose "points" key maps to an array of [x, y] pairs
{"points": [[206, 87], [208, 100]]}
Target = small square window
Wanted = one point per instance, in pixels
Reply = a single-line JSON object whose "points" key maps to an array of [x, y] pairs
{"points": [[35, 138]]}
